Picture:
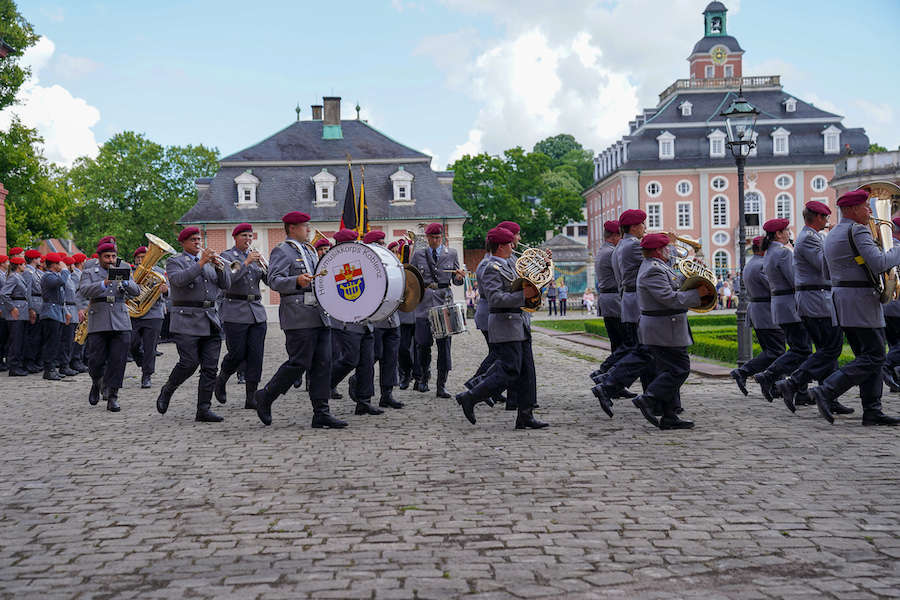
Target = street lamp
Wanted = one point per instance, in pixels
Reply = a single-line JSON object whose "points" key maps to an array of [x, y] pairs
{"points": [[740, 120]]}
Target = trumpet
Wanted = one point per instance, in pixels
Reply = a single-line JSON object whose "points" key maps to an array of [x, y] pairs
{"points": [[235, 265], [218, 262]]}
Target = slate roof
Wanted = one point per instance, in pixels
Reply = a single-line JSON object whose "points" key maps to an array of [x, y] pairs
{"points": [[707, 105], [706, 43], [566, 250], [714, 7]]}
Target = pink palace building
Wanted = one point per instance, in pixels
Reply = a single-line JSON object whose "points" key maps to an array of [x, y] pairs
{"points": [[674, 163]]}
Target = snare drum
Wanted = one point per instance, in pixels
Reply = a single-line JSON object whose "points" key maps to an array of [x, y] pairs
{"points": [[359, 282], [447, 320]]}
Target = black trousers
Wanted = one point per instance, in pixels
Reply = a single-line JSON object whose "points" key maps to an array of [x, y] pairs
{"points": [[636, 362], [245, 342], [551, 306], [197, 351], [489, 359], [51, 335], [892, 333], [406, 355], [771, 343], [164, 335], [863, 371], [671, 367], [387, 345], [4, 339], [66, 345], [77, 352], [829, 341], [106, 353], [15, 356], [616, 342], [799, 349], [562, 307], [424, 340], [512, 370], [357, 353], [144, 337], [33, 343], [309, 351]]}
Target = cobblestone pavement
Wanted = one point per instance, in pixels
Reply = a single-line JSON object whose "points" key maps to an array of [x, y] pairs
{"points": [[753, 503]]}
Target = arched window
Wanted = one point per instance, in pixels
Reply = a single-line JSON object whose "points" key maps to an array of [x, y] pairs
{"points": [[720, 211], [720, 263], [783, 202]]}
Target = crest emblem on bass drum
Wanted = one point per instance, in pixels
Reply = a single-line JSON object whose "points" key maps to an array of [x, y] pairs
{"points": [[350, 282]]}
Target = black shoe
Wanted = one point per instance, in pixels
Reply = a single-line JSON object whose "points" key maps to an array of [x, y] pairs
{"points": [[219, 390], [94, 394], [498, 399], [788, 391], [18, 373], [207, 416], [643, 405], [250, 396], [467, 401], [597, 377], [822, 403], [872, 417], [839, 409], [351, 388], [336, 395], [740, 380], [68, 372], [145, 381], [33, 369], [387, 400], [52, 375], [603, 398], [888, 377], [299, 382], [675, 423], [803, 399], [263, 407], [526, 420], [80, 367], [112, 404], [326, 419], [364, 407], [624, 393], [766, 383], [240, 378], [421, 386], [404, 381], [442, 392], [162, 401]]}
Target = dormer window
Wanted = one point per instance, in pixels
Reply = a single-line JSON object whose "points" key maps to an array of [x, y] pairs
{"points": [[324, 182], [790, 105], [780, 145], [246, 183], [666, 145], [717, 144], [686, 108], [832, 137], [402, 181]]}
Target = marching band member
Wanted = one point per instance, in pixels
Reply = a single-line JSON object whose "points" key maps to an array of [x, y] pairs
{"points": [[322, 246], [608, 299], [81, 307], [145, 330], [769, 335], [890, 373], [482, 317], [67, 343], [292, 264], [439, 266], [4, 332], [816, 309], [195, 278], [510, 335], [109, 326], [386, 343], [14, 298], [33, 329], [855, 262], [664, 330], [405, 354], [53, 314], [243, 316]]}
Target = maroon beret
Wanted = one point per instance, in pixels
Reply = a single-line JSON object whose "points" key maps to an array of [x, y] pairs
{"points": [[434, 229], [499, 235], [107, 238], [373, 236], [853, 198], [17, 260], [817, 207], [393, 245], [323, 243], [32, 253], [15, 251], [345, 235], [68, 260], [652, 241], [773, 225], [3, 258], [94, 255], [79, 257], [106, 247], [51, 257], [757, 241], [241, 228], [511, 226], [140, 250], [632, 216], [611, 226], [295, 218], [896, 221], [187, 232]]}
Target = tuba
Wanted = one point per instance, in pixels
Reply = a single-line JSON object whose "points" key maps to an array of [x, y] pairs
{"points": [[882, 195], [81, 331], [149, 280], [694, 271]]}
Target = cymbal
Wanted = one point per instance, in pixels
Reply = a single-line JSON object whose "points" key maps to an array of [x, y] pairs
{"points": [[414, 286]]}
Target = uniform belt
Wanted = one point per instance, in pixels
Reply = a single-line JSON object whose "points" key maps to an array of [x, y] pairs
{"points": [[632, 288], [247, 297], [814, 288], [609, 290], [761, 299], [787, 292], [505, 311], [438, 286], [107, 300], [853, 284], [18, 298], [663, 313], [68, 304], [195, 303]]}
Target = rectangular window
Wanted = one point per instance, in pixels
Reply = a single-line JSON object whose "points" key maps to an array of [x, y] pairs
{"points": [[582, 230], [729, 70], [665, 149], [716, 147], [831, 143], [248, 197], [720, 212], [401, 192], [781, 145], [684, 215], [654, 215], [324, 193], [709, 71]]}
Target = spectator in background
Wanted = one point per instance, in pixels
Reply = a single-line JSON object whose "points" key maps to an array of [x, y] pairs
{"points": [[551, 298], [719, 284], [471, 297], [726, 294], [563, 293], [588, 300]]}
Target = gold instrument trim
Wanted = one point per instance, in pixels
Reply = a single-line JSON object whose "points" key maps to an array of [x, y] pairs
{"points": [[882, 195], [693, 269], [147, 279]]}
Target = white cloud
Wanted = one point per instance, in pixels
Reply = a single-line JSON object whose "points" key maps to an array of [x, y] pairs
{"points": [[64, 121], [471, 146], [436, 163]]}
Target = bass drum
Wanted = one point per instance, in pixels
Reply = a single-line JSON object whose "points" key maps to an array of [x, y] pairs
{"points": [[359, 282]]}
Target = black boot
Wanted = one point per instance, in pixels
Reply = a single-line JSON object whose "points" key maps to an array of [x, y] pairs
{"points": [[839, 409], [877, 417], [645, 405], [526, 420], [364, 407], [336, 395], [387, 399], [80, 367], [68, 372], [887, 376], [17, 372], [421, 385], [672, 421], [250, 392], [299, 382], [766, 383], [51, 375], [263, 406], [823, 404], [219, 388], [351, 389], [94, 394], [603, 398], [441, 385], [787, 389], [162, 401], [112, 400], [322, 417], [622, 393], [467, 401], [404, 380], [740, 380], [145, 381], [205, 415]]}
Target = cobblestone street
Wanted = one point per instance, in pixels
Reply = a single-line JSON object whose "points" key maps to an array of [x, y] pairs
{"points": [[752, 503]]}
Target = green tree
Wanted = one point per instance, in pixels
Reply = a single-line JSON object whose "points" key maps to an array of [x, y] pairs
{"points": [[558, 146], [877, 148], [135, 186], [17, 33]]}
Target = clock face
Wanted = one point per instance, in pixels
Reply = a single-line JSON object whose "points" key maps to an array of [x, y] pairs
{"points": [[719, 55]]}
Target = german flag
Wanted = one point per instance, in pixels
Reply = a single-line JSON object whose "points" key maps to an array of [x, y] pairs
{"points": [[362, 208], [349, 218]]}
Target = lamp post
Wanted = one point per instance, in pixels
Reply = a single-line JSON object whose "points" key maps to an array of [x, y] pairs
{"points": [[740, 120]]}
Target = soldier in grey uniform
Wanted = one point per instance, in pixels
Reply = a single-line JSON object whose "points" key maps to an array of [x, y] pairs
{"points": [[814, 304], [76, 362], [14, 299], [243, 316], [195, 278], [855, 262], [292, 264], [439, 266], [54, 315], [665, 331], [33, 277], [4, 334], [509, 332], [67, 337], [608, 300], [405, 362], [145, 329], [890, 373], [109, 326], [779, 268], [386, 343], [769, 335]]}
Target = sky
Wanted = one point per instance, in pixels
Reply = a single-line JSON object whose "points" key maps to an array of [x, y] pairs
{"points": [[446, 77]]}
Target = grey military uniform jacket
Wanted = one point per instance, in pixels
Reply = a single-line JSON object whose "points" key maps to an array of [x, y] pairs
{"points": [[757, 284], [15, 294], [779, 266], [299, 308], [892, 308], [437, 279], [811, 270], [32, 278], [658, 293], [189, 281], [856, 306], [2, 283], [607, 286], [53, 296], [72, 299], [245, 282], [627, 260], [111, 314], [482, 310], [511, 325]]}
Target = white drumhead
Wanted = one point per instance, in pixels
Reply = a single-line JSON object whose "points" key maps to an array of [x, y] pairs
{"points": [[355, 284], [396, 278]]}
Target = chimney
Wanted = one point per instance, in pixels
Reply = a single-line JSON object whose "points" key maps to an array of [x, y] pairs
{"points": [[332, 110], [316, 112]]}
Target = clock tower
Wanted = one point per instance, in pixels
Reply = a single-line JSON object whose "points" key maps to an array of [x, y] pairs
{"points": [[717, 55]]}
